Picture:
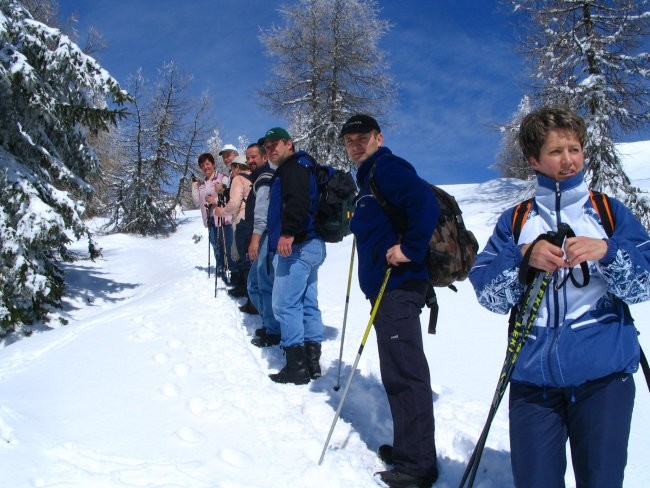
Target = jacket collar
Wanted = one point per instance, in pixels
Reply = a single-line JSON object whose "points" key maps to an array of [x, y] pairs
{"points": [[550, 184], [293, 157], [571, 191]]}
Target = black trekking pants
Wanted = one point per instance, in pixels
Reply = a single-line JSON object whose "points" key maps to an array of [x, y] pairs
{"points": [[405, 375]]}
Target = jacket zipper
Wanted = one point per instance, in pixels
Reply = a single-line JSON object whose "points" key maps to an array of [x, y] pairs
{"points": [[556, 299]]}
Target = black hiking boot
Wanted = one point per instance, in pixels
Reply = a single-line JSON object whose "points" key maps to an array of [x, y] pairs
{"points": [[295, 371], [266, 340], [240, 283], [312, 355], [238, 292], [396, 479], [260, 332], [385, 453], [248, 307]]}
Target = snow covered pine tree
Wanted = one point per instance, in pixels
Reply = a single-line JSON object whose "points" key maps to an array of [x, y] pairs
{"points": [[51, 97]]}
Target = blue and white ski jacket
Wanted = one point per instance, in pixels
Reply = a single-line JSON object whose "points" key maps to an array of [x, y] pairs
{"points": [[580, 334]]}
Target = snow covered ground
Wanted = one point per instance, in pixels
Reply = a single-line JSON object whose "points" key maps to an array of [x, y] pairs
{"points": [[154, 382]]}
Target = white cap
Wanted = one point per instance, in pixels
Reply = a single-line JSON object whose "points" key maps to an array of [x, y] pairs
{"points": [[241, 160], [227, 147]]}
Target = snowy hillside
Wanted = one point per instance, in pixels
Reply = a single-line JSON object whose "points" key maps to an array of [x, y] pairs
{"points": [[154, 382]]}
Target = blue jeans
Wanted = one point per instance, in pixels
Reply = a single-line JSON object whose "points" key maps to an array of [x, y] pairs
{"points": [[260, 287], [295, 293]]}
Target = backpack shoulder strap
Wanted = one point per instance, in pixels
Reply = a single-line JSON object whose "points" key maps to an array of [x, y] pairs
{"points": [[391, 210], [375, 190], [519, 217], [600, 202], [646, 368], [387, 206]]}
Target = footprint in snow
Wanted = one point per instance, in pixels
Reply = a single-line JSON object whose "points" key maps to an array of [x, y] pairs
{"points": [[197, 405], [181, 370], [235, 458], [144, 334], [161, 358], [188, 434], [170, 390]]}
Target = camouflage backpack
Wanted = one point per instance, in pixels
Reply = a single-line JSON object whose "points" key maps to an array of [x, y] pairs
{"points": [[452, 247]]}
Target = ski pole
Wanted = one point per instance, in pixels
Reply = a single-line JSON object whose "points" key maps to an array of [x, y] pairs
{"points": [[215, 284], [209, 251], [226, 271], [216, 266], [373, 313], [345, 314]]}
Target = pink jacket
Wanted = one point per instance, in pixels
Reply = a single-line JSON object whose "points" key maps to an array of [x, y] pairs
{"points": [[203, 190], [236, 207]]}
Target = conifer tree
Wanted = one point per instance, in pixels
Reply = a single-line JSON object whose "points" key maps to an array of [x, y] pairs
{"points": [[587, 55], [50, 94], [510, 161], [160, 138], [328, 67]]}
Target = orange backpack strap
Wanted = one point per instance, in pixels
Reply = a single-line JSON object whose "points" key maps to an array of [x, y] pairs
{"points": [[600, 202], [519, 217]]}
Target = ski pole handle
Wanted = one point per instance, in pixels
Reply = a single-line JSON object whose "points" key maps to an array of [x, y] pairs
{"points": [[563, 230]]}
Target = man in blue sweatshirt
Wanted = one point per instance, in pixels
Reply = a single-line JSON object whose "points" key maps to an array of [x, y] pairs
{"points": [[299, 252], [403, 365]]}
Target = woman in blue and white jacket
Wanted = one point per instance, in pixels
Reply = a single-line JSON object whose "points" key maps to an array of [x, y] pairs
{"points": [[572, 378]]}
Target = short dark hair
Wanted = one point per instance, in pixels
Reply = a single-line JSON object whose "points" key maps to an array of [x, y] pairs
{"points": [[205, 156], [536, 125], [259, 146]]}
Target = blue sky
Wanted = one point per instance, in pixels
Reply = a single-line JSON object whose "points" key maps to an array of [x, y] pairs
{"points": [[454, 62]]}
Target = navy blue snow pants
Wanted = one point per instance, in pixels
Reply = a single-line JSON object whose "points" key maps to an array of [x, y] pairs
{"points": [[595, 417], [405, 376]]}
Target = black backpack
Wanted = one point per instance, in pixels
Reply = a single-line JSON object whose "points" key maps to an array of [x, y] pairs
{"points": [[452, 247], [337, 192]]}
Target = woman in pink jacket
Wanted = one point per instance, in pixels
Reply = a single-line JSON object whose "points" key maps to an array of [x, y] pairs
{"points": [[207, 195], [240, 187]]}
